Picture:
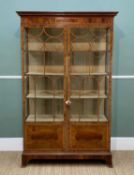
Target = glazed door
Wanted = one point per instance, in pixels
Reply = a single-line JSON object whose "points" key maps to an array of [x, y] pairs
{"points": [[45, 74], [88, 87]]}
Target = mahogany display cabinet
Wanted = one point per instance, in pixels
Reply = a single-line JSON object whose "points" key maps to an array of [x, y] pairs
{"points": [[66, 84]]}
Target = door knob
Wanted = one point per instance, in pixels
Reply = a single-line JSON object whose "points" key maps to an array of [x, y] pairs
{"points": [[68, 102]]}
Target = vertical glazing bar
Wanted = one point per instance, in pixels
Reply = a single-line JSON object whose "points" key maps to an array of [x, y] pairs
{"points": [[26, 50], [44, 84], [27, 92], [72, 62], [105, 100], [44, 61], [106, 52], [98, 107], [79, 94], [89, 66], [89, 62], [83, 102], [35, 99], [53, 100]]}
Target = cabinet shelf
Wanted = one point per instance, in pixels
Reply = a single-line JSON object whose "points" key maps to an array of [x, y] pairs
{"points": [[50, 47], [87, 94], [73, 68], [59, 70], [75, 94], [59, 47], [90, 74], [46, 94], [45, 118], [60, 118], [88, 118], [62, 74], [91, 46], [43, 74]]}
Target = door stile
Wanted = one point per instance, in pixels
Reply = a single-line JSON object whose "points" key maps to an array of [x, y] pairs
{"points": [[65, 89], [110, 86], [68, 83]]}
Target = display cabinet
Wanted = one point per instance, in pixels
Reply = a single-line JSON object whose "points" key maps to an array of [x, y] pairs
{"points": [[66, 82]]}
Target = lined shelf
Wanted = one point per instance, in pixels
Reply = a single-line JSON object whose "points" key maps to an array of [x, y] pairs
{"points": [[60, 118], [91, 46], [46, 94], [45, 118], [75, 94], [92, 69], [61, 74], [40, 46], [88, 118], [46, 73], [87, 94], [90, 74]]}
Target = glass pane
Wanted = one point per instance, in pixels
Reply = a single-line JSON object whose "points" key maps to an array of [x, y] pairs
{"points": [[45, 110], [87, 110], [89, 70], [44, 55]]}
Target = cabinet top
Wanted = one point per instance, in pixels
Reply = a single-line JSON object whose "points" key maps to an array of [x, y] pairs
{"points": [[67, 14]]}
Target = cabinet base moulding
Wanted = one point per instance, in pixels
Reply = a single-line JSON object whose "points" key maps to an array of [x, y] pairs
{"points": [[102, 156]]}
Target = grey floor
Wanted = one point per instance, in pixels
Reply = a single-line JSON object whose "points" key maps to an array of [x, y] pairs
{"points": [[123, 161]]}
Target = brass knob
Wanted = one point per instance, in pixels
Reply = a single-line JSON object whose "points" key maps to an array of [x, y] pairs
{"points": [[68, 102]]}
